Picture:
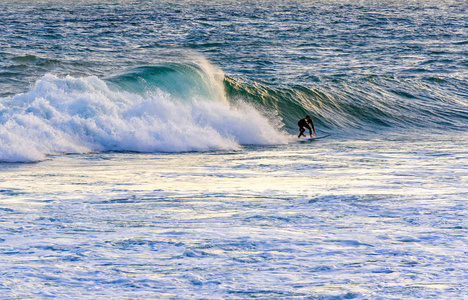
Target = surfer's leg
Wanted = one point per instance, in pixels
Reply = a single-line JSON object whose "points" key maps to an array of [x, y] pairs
{"points": [[310, 130], [302, 129]]}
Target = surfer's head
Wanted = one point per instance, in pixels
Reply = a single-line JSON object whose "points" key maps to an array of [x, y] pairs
{"points": [[307, 117]]}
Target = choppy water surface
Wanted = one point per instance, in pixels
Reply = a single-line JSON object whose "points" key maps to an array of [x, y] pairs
{"points": [[148, 150], [336, 218]]}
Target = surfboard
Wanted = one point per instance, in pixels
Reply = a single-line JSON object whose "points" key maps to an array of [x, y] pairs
{"points": [[313, 138]]}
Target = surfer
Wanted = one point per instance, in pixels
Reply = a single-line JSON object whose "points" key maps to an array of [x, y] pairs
{"points": [[303, 124]]}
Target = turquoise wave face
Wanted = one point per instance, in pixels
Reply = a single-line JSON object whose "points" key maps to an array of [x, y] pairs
{"points": [[184, 81], [368, 103], [345, 103]]}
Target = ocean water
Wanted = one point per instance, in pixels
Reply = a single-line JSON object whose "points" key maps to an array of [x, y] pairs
{"points": [[149, 150]]}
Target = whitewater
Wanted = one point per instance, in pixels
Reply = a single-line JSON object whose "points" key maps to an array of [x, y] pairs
{"points": [[82, 115], [149, 150]]}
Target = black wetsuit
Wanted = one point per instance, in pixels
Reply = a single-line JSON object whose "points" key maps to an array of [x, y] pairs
{"points": [[303, 125]]}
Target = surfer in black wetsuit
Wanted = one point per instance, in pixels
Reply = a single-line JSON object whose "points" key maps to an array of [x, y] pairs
{"points": [[303, 124]]}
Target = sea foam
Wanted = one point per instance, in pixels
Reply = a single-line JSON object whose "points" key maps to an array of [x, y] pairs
{"points": [[78, 115]]}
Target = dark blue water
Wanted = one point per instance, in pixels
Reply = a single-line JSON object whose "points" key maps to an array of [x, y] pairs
{"points": [[349, 64]]}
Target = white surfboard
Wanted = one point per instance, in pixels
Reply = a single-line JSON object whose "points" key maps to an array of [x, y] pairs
{"points": [[313, 138]]}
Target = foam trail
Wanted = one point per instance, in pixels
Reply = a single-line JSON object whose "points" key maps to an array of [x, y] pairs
{"points": [[78, 115]]}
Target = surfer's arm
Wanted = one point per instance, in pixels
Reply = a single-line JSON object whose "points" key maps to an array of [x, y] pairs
{"points": [[313, 128]]}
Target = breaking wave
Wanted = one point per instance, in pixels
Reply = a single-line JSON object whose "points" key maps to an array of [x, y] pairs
{"points": [[169, 108], [178, 107]]}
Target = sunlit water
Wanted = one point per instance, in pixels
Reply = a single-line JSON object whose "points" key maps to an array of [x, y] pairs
{"points": [[376, 218]]}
